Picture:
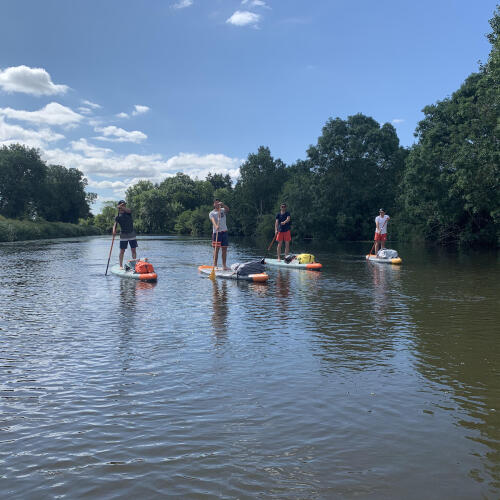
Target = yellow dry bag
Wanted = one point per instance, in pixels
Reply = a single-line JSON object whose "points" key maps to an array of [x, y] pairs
{"points": [[305, 258]]}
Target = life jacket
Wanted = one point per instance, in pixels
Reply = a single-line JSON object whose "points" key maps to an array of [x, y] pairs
{"points": [[305, 258], [143, 267]]}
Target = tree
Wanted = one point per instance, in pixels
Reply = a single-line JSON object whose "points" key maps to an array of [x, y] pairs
{"points": [[257, 190], [358, 166], [300, 195], [451, 181], [22, 173], [64, 197], [181, 189], [219, 181], [106, 219]]}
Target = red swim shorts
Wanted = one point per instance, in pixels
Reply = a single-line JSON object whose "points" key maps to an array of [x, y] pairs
{"points": [[380, 237], [284, 236]]}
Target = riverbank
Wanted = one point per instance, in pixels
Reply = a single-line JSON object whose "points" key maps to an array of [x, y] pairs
{"points": [[19, 230]]}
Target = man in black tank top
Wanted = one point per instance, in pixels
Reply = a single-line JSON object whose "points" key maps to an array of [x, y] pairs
{"points": [[127, 233]]}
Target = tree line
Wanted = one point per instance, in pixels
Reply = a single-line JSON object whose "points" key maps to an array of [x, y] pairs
{"points": [[30, 189], [445, 188]]}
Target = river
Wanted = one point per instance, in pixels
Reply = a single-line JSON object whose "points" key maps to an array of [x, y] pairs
{"points": [[361, 381]]}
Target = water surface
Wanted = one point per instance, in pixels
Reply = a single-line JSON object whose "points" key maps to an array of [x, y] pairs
{"points": [[362, 381]]}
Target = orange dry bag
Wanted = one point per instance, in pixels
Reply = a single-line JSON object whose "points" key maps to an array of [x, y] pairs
{"points": [[142, 267]]}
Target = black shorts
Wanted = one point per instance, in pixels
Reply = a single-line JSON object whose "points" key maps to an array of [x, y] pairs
{"points": [[124, 244]]}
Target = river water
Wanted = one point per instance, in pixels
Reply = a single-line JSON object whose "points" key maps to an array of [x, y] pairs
{"points": [[361, 381]]}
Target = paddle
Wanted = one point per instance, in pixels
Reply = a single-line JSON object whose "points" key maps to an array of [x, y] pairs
{"points": [[111, 249], [268, 248], [212, 274], [373, 246]]}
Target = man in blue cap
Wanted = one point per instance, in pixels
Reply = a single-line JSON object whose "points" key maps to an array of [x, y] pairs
{"points": [[127, 233]]}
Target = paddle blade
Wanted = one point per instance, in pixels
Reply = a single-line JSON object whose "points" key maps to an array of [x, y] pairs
{"points": [[212, 274]]}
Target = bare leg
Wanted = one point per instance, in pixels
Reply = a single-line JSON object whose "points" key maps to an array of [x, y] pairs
{"points": [[134, 253], [224, 257], [383, 244], [122, 253], [278, 250], [216, 258], [287, 247], [376, 246]]}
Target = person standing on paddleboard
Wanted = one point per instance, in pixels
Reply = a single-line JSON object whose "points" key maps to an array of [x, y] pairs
{"points": [[218, 218], [282, 230], [127, 233], [381, 230]]}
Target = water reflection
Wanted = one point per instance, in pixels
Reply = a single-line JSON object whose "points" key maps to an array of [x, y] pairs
{"points": [[456, 318], [220, 310], [385, 281]]}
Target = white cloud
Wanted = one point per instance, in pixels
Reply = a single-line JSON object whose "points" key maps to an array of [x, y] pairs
{"points": [[92, 105], [116, 134], [129, 169], [255, 3], [90, 150], [84, 111], [244, 18], [139, 110], [115, 185], [52, 114], [35, 81], [182, 4], [199, 166], [122, 115], [397, 120], [11, 134]]}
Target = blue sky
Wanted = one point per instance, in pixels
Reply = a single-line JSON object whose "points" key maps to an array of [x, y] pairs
{"points": [[127, 90]]}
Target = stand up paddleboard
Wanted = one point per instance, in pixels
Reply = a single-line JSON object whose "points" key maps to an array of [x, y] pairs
{"points": [[232, 275], [128, 271], [385, 256]]}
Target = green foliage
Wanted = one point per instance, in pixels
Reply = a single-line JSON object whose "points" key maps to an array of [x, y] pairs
{"points": [[358, 165], [257, 190], [265, 226], [30, 188], [106, 219], [449, 191], [22, 172], [19, 230], [194, 222], [219, 181], [185, 191], [64, 197], [300, 195]]}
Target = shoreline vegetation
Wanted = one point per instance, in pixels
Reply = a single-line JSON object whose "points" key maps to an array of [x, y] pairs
{"points": [[23, 230], [444, 189]]}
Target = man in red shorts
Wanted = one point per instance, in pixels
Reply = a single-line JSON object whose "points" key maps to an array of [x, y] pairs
{"points": [[282, 229], [381, 229]]}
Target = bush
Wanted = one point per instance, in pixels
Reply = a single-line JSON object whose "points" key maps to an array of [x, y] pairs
{"points": [[19, 230]]}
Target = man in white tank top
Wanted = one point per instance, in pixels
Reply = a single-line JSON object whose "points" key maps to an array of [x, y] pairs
{"points": [[381, 230]]}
